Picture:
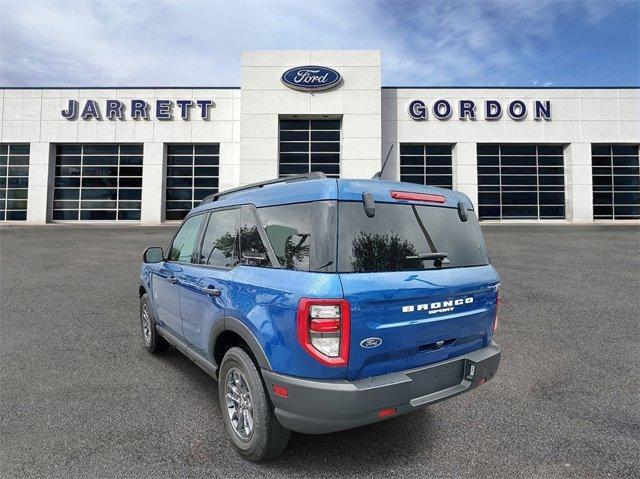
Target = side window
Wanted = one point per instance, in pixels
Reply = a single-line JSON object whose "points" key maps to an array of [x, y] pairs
{"points": [[288, 228], [185, 240], [219, 243], [252, 249]]}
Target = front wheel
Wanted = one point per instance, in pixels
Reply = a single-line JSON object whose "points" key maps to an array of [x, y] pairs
{"points": [[152, 339], [247, 412]]}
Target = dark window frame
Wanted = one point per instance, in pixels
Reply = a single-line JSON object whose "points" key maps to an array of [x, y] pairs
{"points": [[601, 173], [490, 166], [192, 152], [98, 157], [14, 152], [308, 165], [426, 156]]}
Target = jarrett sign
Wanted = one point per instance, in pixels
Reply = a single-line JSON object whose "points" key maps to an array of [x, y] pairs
{"points": [[488, 109], [137, 109]]}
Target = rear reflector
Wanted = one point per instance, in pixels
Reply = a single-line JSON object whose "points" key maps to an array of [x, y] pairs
{"points": [[408, 196], [390, 411], [280, 391], [495, 318]]}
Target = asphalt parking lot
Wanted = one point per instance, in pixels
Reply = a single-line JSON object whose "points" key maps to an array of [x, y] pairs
{"points": [[81, 397]]}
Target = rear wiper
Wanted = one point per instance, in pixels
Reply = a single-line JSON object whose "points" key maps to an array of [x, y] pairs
{"points": [[427, 256]]}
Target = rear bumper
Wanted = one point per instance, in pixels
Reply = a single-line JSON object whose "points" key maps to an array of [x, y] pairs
{"points": [[319, 407]]}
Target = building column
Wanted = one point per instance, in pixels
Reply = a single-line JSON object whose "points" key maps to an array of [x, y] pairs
{"points": [[578, 183], [41, 178], [153, 181], [465, 171]]}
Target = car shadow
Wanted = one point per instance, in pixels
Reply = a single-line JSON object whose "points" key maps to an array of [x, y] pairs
{"points": [[380, 446]]}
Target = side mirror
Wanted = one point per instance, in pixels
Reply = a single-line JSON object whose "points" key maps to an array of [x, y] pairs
{"points": [[153, 255]]}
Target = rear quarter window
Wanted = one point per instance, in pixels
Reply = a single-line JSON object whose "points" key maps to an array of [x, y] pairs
{"points": [[288, 228], [302, 235]]}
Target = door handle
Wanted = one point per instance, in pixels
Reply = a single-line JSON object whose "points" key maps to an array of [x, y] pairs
{"points": [[173, 280], [210, 290]]}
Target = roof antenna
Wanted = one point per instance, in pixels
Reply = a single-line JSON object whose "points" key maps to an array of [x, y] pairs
{"points": [[378, 175]]}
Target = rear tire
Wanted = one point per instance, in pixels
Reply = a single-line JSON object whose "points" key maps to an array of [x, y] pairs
{"points": [[247, 411], [152, 339]]}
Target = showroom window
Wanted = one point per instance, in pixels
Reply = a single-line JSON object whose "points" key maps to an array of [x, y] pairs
{"points": [[426, 164], [192, 174], [616, 182], [98, 182], [309, 145], [521, 182], [14, 182]]}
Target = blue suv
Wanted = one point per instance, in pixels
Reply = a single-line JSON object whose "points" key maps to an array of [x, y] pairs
{"points": [[323, 304]]}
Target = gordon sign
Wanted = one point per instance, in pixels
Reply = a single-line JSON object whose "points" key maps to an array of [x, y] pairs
{"points": [[491, 109], [137, 109], [311, 78]]}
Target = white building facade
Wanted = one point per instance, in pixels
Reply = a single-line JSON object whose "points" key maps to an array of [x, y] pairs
{"points": [[147, 155]]}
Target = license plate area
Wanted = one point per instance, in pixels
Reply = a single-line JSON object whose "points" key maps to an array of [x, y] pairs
{"points": [[436, 378]]}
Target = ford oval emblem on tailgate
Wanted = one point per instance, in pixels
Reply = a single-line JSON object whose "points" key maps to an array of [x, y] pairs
{"points": [[371, 343]]}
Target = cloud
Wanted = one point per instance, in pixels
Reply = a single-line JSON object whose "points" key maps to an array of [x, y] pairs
{"points": [[198, 43]]}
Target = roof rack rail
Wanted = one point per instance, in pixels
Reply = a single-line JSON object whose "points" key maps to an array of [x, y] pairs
{"points": [[314, 175]]}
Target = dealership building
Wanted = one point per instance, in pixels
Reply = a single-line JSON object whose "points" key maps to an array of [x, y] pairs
{"points": [[148, 155]]}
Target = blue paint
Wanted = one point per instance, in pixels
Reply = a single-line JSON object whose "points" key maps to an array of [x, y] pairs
{"points": [[265, 300]]}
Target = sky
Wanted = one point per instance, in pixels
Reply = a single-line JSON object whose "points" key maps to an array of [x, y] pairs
{"points": [[428, 43]]}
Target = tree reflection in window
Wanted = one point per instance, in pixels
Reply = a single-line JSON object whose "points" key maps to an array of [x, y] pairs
{"points": [[222, 252], [291, 248], [252, 247], [382, 252]]}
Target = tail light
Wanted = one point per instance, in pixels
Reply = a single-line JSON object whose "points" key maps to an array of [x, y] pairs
{"points": [[495, 318], [323, 329]]}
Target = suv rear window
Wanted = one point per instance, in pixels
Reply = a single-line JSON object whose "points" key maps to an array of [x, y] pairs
{"points": [[397, 232]]}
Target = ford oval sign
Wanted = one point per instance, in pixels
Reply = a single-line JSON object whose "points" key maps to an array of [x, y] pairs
{"points": [[311, 78], [371, 343]]}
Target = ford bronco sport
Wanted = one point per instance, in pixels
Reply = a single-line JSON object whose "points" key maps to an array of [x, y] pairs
{"points": [[324, 304]]}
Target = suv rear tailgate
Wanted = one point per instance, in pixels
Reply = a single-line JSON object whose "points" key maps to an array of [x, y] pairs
{"points": [[420, 317]]}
